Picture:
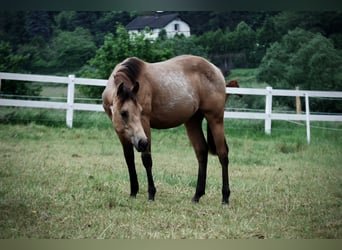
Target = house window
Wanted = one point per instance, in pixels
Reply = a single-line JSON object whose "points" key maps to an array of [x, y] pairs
{"points": [[176, 26]]}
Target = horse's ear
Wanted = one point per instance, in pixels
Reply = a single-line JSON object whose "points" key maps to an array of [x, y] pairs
{"points": [[120, 89], [135, 88]]}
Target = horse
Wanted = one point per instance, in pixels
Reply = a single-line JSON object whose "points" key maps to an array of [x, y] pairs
{"points": [[232, 84], [182, 90]]}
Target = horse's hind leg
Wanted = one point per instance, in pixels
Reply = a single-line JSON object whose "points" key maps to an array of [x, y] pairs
{"points": [[217, 129], [196, 136]]}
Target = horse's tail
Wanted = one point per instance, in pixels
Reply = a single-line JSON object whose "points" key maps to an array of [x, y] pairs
{"points": [[211, 142]]}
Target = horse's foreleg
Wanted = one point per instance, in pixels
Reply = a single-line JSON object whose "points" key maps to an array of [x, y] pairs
{"points": [[129, 157], [196, 136], [147, 161]]}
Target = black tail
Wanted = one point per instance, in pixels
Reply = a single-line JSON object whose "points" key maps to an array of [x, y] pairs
{"points": [[211, 142]]}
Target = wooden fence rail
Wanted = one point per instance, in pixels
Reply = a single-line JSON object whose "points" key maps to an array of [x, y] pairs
{"points": [[268, 115]]}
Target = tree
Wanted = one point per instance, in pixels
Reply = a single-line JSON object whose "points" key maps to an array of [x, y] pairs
{"points": [[12, 27], [12, 63], [37, 56], [180, 45], [305, 59], [245, 44], [65, 20], [267, 34], [325, 22], [8, 61], [70, 50], [38, 23], [229, 49], [204, 21], [244, 37], [117, 48], [219, 45]]}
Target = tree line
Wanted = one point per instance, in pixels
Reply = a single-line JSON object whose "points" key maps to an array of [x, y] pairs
{"points": [[288, 48]]}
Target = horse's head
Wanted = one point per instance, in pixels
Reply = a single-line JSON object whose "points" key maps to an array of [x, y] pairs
{"points": [[126, 117], [233, 84]]}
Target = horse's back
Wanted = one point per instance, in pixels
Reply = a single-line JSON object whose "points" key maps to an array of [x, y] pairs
{"points": [[182, 85], [194, 69], [194, 74], [196, 65]]}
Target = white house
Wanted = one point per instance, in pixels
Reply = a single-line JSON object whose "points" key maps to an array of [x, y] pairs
{"points": [[171, 23]]}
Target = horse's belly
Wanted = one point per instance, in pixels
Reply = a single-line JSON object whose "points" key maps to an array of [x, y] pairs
{"points": [[172, 113]]}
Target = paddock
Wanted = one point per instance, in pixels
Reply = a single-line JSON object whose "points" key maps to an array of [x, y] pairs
{"points": [[67, 183]]}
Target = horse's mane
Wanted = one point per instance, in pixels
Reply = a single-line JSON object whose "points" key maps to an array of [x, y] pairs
{"points": [[131, 68]]}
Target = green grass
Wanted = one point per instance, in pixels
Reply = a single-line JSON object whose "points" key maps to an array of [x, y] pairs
{"points": [[55, 90], [51, 117], [73, 183]]}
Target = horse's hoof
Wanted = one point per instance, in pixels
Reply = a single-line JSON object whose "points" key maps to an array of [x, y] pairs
{"points": [[195, 200], [151, 193], [224, 202]]}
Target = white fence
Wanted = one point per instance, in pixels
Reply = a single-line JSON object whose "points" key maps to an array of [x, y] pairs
{"points": [[69, 106], [268, 115]]}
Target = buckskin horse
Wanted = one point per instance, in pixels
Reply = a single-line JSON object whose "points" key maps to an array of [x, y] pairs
{"points": [[182, 90]]}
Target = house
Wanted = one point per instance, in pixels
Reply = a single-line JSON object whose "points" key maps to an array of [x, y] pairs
{"points": [[171, 23]]}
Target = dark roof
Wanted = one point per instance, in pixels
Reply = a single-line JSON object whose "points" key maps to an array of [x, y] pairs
{"points": [[157, 21]]}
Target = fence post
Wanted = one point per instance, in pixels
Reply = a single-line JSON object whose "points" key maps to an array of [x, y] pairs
{"points": [[268, 110], [70, 101], [307, 113], [298, 104]]}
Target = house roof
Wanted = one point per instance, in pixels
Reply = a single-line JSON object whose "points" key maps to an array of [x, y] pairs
{"points": [[157, 21]]}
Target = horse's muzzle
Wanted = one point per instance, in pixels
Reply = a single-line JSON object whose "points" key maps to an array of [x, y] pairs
{"points": [[142, 145]]}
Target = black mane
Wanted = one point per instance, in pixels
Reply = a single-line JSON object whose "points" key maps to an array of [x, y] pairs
{"points": [[132, 68]]}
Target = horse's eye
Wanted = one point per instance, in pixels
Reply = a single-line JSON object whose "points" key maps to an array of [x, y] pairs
{"points": [[124, 114]]}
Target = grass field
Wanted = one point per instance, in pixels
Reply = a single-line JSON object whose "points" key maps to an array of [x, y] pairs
{"points": [[73, 183]]}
